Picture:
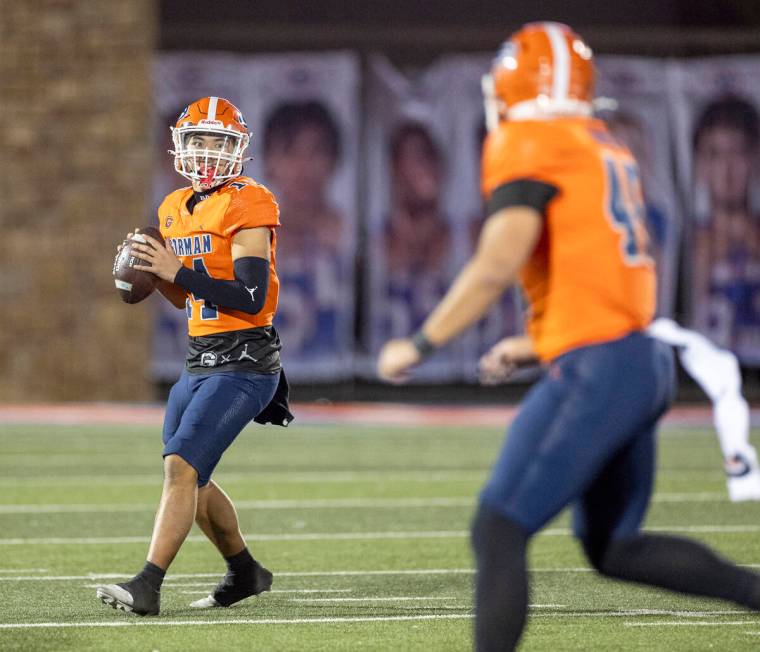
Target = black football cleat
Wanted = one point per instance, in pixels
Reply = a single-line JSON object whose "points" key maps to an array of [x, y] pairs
{"points": [[134, 597], [233, 588]]}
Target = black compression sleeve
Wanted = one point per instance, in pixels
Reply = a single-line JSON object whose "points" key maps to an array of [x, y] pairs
{"points": [[522, 192], [246, 293]]}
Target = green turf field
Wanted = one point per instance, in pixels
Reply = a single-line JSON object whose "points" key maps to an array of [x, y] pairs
{"points": [[365, 529]]}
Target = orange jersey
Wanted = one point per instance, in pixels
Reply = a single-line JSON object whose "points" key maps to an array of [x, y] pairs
{"points": [[589, 279], [203, 242]]}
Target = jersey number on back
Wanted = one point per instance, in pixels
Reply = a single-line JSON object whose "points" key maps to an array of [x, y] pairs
{"points": [[625, 207], [208, 310]]}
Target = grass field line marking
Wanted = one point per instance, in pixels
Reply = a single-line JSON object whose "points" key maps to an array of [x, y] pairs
{"points": [[170, 578], [307, 477], [690, 616], [352, 619], [306, 536], [384, 598], [694, 623], [320, 503], [317, 503], [206, 592], [246, 621], [358, 536]]}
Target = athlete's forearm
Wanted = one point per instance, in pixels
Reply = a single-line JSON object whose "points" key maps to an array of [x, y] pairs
{"points": [[467, 301], [506, 241], [247, 292], [174, 294]]}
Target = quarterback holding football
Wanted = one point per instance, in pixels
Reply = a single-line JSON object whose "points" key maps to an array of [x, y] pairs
{"points": [[218, 263]]}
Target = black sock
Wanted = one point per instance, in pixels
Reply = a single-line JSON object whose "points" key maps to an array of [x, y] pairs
{"points": [[501, 586], [153, 575], [680, 565], [245, 577], [241, 563]]}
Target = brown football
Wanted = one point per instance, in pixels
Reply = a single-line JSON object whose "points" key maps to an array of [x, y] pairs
{"points": [[134, 285]]}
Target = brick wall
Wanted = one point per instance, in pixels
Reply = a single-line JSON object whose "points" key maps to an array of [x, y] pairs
{"points": [[74, 171]]}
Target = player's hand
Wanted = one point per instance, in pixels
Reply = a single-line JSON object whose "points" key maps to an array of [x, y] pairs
{"points": [[163, 260], [504, 358], [396, 358]]}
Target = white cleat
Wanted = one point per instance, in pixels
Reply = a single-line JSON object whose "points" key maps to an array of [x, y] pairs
{"points": [[205, 603], [115, 596], [745, 487], [743, 479]]}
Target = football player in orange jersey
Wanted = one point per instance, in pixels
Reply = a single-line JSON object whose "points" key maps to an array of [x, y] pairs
{"points": [[566, 213], [218, 264]]}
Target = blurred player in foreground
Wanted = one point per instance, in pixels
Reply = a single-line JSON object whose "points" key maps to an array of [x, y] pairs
{"points": [[218, 265], [566, 213], [715, 370]]}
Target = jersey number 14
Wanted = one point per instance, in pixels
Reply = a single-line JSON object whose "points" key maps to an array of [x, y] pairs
{"points": [[208, 310]]}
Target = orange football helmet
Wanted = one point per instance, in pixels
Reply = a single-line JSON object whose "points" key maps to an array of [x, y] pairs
{"points": [[543, 71], [209, 138]]}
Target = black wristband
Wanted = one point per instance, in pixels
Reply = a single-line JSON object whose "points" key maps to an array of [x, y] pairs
{"points": [[423, 345]]}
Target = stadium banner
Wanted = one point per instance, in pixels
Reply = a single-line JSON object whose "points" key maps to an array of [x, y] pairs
{"points": [[634, 104], [715, 104], [467, 203], [303, 113], [414, 239]]}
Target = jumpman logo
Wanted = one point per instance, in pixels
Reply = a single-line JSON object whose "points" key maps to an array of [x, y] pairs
{"points": [[244, 355], [251, 291]]}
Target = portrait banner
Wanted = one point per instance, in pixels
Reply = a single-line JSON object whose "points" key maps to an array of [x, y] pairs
{"points": [[423, 138], [506, 317], [715, 103], [303, 110]]}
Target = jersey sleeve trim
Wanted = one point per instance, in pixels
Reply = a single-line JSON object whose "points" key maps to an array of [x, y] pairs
{"points": [[522, 192], [252, 207]]}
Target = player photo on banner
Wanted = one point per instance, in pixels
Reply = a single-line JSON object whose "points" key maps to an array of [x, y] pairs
{"points": [[416, 230], [716, 107], [304, 115], [506, 317], [638, 116], [178, 80]]}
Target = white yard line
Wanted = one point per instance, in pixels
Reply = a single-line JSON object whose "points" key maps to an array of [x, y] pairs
{"points": [[197, 538], [385, 598], [694, 623], [326, 503], [358, 536], [691, 621], [170, 578], [206, 592], [263, 621], [256, 476], [319, 503]]}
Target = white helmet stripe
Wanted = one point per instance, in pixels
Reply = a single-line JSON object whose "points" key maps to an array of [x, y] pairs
{"points": [[561, 55], [212, 107]]}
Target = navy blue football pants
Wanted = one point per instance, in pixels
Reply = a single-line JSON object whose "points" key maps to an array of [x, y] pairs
{"points": [[205, 412], [585, 434]]}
